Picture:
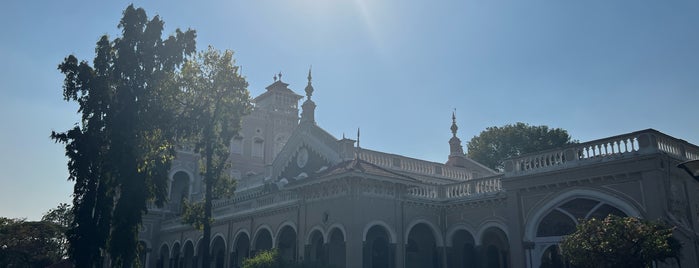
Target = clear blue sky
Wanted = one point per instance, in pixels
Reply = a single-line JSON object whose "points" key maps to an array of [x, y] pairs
{"points": [[395, 68]]}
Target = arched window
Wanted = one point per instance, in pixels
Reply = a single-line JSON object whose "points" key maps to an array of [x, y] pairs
{"points": [[561, 221], [179, 190]]}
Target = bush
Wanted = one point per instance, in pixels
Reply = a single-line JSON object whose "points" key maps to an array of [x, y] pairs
{"points": [[271, 259], [620, 242]]}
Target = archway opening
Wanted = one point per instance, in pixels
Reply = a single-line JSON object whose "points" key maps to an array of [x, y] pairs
{"points": [[552, 258], [242, 250], [562, 220], [336, 249], [163, 257], [286, 244], [421, 250], [263, 240], [179, 191], [218, 252], [378, 252], [496, 248], [176, 255], [316, 250], [462, 252], [188, 255], [199, 258]]}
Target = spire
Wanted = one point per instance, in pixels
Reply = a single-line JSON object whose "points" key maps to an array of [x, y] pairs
{"points": [[308, 113], [454, 127], [309, 87], [455, 143]]}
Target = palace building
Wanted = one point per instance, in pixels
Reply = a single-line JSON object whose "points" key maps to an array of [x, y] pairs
{"points": [[321, 199]]}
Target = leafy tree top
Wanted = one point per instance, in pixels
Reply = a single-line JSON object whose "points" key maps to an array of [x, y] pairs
{"points": [[495, 144], [619, 242], [120, 152]]}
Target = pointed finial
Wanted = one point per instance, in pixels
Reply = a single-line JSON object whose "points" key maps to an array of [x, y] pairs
{"points": [[309, 87], [454, 128], [309, 74]]}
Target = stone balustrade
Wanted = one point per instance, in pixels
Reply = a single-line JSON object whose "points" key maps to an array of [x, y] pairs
{"points": [[465, 189], [401, 163], [635, 143]]}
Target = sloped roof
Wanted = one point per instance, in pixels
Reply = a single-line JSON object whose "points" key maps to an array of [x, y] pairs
{"points": [[362, 166], [278, 86]]}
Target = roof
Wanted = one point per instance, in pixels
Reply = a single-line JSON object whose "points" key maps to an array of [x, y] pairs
{"points": [[278, 86], [361, 166]]}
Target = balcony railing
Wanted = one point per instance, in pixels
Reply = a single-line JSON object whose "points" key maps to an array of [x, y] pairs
{"points": [[465, 189], [402, 163], [636, 143]]}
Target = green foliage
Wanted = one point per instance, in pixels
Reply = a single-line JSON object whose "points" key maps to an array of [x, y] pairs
{"points": [[495, 144], [120, 151], [29, 243], [264, 259], [62, 216], [619, 242], [215, 98], [193, 214], [272, 259]]}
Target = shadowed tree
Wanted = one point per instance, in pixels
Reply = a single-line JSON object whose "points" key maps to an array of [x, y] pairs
{"points": [[495, 144], [215, 99], [620, 242], [29, 243], [62, 216], [120, 151]]}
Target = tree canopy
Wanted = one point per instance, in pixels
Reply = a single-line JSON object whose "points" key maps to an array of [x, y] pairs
{"points": [[619, 242], [495, 144], [120, 151], [215, 98], [29, 243]]}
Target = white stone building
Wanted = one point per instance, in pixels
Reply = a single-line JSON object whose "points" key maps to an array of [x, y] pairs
{"points": [[319, 198]]}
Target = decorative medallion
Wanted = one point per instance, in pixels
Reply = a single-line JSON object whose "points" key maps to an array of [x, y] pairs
{"points": [[302, 158]]}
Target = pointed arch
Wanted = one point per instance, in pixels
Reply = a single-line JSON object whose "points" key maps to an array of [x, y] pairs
{"points": [[547, 205]]}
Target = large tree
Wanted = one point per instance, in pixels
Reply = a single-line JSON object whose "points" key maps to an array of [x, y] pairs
{"points": [[495, 144], [619, 242], [62, 216], [29, 243], [120, 151], [215, 97]]}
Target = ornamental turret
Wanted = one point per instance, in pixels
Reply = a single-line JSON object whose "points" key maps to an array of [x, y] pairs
{"points": [[308, 106], [455, 148]]}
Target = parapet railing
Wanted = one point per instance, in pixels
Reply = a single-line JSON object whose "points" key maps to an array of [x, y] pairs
{"points": [[243, 202], [635, 143], [465, 189], [414, 165]]}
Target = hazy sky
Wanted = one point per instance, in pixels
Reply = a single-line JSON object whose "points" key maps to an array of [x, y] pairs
{"points": [[395, 68]]}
